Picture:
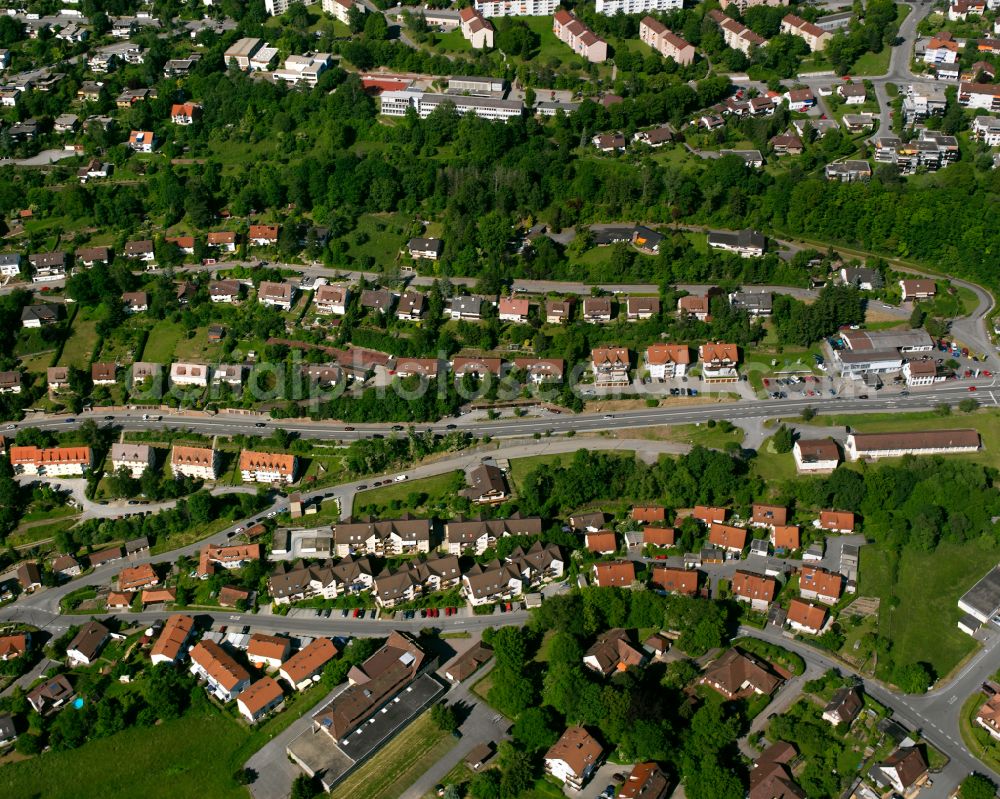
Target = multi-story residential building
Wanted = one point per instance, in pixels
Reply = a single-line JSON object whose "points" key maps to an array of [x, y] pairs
{"points": [[541, 370], [814, 35], [430, 249], [304, 666], [667, 361], [848, 171], [942, 49], [341, 9], [278, 295], [189, 374], [52, 462], [476, 29], [596, 310], [10, 264], [479, 535], [580, 39], [201, 463], [331, 299], [821, 585], [225, 240], [136, 578], [260, 699], [610, 366], [276, 8], [233, 556], [387, 537], [516, 8], [226, 679], [611, 7], [737, 36], [415, 578], [47, 266], [184, 113], [665, 42], [134, 457], [816, 455], [719, 362], [267, 467], [574, 758], [170, 646], [987, 130], [411, 307]]}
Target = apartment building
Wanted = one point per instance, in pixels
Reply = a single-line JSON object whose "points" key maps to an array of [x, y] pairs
{"points": [[134, 457], [51, 462], [665, 42], [200, 463], [267, 467], [580, 39]]}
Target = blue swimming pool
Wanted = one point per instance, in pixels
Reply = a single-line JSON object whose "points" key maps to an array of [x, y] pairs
{"points": [[78, 703]]}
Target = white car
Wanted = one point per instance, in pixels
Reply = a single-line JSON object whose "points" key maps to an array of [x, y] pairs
{"points": [[399, 478], [272, 514], [238, 530]]}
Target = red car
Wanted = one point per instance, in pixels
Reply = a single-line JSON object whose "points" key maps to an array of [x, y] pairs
{"points": [[509, 606], [972, 388], [357, 611], [987, 373]]}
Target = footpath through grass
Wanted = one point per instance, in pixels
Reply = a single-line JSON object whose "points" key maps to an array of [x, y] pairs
{"points": [[924, 627], [397, 766]]}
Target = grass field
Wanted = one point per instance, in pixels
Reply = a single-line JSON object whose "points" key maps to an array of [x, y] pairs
{"points": [[773, 466], [198, 348], [80, 344], [924, 627], [176, 759], [520, 468], [39, 532], [385, 236], [439, 488], [162, 342], [397, 766]]}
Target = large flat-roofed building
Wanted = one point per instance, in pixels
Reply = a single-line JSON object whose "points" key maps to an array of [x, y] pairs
{"points": [[241, 52], [981, 603], [611, 7], [517, 8], [374, 683], [874, 340], [924, 442], [397, 103]]}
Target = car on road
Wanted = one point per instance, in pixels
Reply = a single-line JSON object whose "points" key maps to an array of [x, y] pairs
{"points": [[373, 614], [346, 613], [399, 478], [609, 416], [11, 426], [987, 373], [972, 388], [261, 424], [272, 514], [862, 396], [238, 530], [70, 421], [397, 427], [348, 429], [450, 426], [361, 487], [109, 418]]}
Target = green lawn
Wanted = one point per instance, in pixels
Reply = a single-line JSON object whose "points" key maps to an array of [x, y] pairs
{"points": [[440, 488], [162, 342], [702, 435], [878, 63], [80, 344], [181, 758], [397, 766], [197, 348], [773, 466], [40, 532], [380, 236], [924, 627], [520, 468]]}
